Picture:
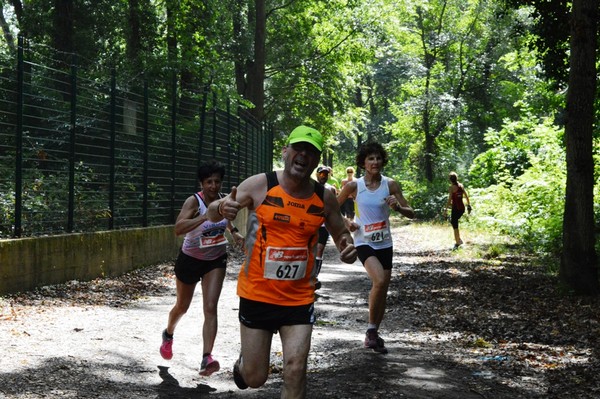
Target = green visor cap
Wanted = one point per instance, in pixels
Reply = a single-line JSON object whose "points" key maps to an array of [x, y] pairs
{"points": [[308, 135]]}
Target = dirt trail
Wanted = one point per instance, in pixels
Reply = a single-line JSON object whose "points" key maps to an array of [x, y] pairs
{"points": [[101, 340]]}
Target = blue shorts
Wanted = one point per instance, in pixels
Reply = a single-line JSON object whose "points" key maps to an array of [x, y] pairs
{"points": [[384, 255], [190, 270], [266, 316]]}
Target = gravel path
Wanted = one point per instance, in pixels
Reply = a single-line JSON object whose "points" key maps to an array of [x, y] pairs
{"points": [[101, 339]]}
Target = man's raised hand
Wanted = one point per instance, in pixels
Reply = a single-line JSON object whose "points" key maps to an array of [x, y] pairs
{"points": [[229, 207]]}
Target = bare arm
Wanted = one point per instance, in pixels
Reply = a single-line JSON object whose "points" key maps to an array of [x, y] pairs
{"points": [[248, 194], [468, 201], [188, 218], [238, 238], [397, 202], [334, 222], [467, 197], [347, 190], [449, 202]]}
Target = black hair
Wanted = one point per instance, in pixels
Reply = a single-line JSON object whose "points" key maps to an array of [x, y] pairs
{"points": [[368, 148], [209, 168]]}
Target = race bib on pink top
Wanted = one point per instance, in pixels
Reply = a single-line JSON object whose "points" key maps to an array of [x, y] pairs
{"points": [[207, 242]]}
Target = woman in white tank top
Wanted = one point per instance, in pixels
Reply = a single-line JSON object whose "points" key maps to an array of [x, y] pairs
{"points": [[375, 196]]}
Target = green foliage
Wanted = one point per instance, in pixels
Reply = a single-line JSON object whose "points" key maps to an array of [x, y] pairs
{"points": [[507, 157], [318, 53], [427, 199], [551, 35], [443, 85], [7, 208], [529, 204]]}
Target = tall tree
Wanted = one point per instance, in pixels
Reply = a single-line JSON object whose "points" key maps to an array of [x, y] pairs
{"points": [[579, 262], [445, 48], [251, 54], [63, 36], [8, 36], [134, 36], [319, 53]]}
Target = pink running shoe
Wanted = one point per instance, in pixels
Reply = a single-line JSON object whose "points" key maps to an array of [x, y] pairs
{"points": [[209, 366], [166, 349]]}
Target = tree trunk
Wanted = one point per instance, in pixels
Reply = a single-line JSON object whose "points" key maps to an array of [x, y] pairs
{"points": [[18, 7], [8, 36], [430, 150], [63, 26], [256, 73], [239, 35], [134, 39], [133, 53], [578, 269], [62, 38], [172, 13]]}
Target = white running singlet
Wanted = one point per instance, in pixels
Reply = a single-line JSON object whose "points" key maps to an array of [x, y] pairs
{"points": [[372, 214]]}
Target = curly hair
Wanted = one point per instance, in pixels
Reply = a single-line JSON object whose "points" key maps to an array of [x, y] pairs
{"points": [[209, 168], [369, 148]]}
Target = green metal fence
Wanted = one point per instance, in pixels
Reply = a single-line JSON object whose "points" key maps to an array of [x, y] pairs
{"points": [[97, 151]]}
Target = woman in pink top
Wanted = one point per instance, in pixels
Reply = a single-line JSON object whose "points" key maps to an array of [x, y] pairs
{"points": [[203, 258]]}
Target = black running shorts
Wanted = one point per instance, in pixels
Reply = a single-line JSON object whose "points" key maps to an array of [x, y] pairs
{"points": [[347, 208], [384, 255], [454, 216], [190, 270], [266, 316]]}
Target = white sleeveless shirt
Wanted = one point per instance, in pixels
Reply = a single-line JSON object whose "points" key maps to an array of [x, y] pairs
{"points": [[207, 241], [372, 214]]}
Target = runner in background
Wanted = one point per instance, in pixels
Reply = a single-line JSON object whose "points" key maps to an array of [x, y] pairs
{"points": [[375, 195], [332, 180], [323, 173], [203, 257], [348, 206], [456, 197]]}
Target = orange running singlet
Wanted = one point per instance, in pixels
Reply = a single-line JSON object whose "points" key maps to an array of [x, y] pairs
{"points": [[281, 246]]}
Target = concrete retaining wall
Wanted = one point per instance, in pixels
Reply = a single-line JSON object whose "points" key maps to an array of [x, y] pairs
{"points": [[28, 263]]}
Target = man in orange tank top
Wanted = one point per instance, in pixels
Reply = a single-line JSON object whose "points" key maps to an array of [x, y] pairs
{"points": [[276, 284]]}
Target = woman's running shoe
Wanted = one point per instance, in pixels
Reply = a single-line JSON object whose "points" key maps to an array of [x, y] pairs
{"points": [[209, 365], [374, 341], [166, 349]]}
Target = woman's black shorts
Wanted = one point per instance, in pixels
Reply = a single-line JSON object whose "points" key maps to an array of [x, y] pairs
{"points": [[384, 255], [190, 270], [454, 216]]}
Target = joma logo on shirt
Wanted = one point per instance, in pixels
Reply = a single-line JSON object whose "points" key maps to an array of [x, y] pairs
{"points": [[295, 204], [281, 218]]}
